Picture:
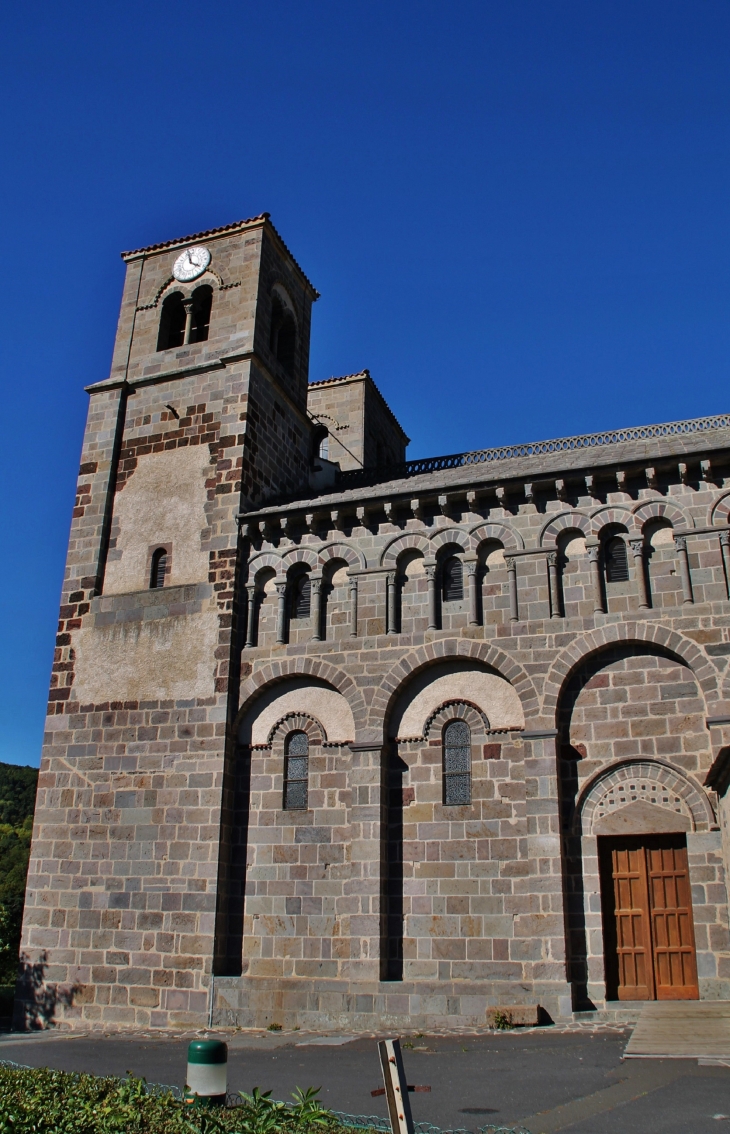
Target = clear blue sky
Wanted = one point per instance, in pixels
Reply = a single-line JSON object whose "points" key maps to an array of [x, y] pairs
{"points": [[516, 212]]}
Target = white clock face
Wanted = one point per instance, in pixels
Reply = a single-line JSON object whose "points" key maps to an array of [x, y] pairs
{"points": [[190, 264]]}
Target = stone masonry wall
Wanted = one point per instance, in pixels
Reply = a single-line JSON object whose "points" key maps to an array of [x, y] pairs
{"points": [[162, 854], [363, 433], [449, 968], [636, 705], [120, 913]]}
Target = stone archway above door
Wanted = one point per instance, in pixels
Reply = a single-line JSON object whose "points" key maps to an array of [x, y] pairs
{"points": [[642, 797]]}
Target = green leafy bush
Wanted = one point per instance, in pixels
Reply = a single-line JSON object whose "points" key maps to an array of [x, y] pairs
{"points": [[502, 1021], [39, 1101]]}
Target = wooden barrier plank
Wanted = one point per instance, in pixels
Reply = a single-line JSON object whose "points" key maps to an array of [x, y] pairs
{"points": [[681, 1030]]}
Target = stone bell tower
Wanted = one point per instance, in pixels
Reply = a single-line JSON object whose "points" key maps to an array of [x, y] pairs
{"points": [[203, 415]]}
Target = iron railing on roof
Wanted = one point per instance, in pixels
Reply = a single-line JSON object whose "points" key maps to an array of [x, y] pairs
{"points": [[356, 477]]}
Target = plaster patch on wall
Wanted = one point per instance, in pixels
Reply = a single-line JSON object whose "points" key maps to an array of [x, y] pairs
{"points": [[457, 681], [162, 503], [163, 659], [574, 547], [301, 695]]}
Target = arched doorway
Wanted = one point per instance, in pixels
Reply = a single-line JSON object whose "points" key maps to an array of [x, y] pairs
{"points": [[636, 824]]}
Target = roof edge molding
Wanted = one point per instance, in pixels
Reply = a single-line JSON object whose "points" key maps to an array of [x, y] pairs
{"points": [[262, 220], [537, 448]]}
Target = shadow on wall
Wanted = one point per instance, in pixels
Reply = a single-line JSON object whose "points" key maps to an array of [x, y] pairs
{"points": [[35, 1000]]}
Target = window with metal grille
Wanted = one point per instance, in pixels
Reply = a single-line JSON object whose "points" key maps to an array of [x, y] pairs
{"points": [[301, 599], [457, 764], [617, 561], [452, 580], [159, 568], [296, 771], [324, 447]]}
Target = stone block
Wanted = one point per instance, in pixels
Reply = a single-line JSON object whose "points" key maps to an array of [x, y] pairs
{"points": [[514, 1015]]}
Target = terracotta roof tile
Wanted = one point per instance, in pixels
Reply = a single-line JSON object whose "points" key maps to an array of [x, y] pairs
{"points": [[180, 240], [341, 378]]}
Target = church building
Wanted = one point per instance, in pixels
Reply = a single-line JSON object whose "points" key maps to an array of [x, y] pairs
{"points": [[344, 741]]}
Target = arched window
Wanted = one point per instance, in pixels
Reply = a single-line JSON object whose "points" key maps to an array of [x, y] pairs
{"points": [[301, 597], [159, 568], [296, 771], [457, 764], [452, 580], [172, 323], [202, 304], [283, 341], [617, 562], [319, 443]]}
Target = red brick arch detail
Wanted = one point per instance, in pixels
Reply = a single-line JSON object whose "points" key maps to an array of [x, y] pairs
{"points": [[612, 514], [450, 536], [401, 543], [640, 633], [662, 510], [186, 289], [719, 512], [508, 537], [457, 649], [566, 521], [342, 551], [295, 722], [456, 709], [299, 555], [275, 672], [262, 560]]}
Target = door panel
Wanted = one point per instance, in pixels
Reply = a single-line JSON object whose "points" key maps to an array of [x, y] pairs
{"points": [[633, 932], [648, 928], [675, 963]]}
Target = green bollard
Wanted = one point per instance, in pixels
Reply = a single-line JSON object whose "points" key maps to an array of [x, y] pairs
{"points": [[207, 1078]]}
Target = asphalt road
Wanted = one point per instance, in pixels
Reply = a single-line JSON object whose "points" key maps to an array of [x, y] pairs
{"points": [[547, 1081]]}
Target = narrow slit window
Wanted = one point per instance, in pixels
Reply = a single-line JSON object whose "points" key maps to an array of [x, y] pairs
{"points": [[453, 580], [457, 764], [617, 562], [159, 569], [296, 772], [301, 597]]}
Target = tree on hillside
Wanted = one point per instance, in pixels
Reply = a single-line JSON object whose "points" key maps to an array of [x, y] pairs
{"points": [[17, 801], [17, 793]]}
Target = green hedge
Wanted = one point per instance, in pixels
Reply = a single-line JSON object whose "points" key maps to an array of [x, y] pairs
{"points": [[39, 1101]]}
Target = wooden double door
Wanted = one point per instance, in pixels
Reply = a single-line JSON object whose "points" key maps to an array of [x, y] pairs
{"points": [[647, 918]]}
